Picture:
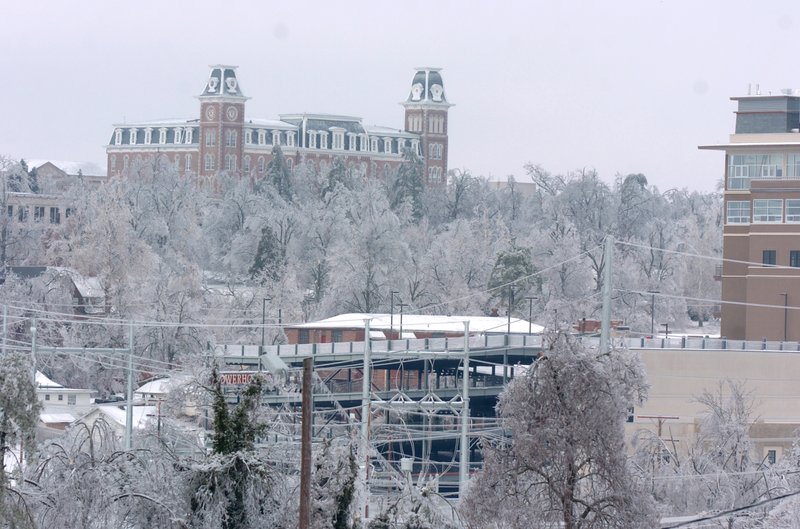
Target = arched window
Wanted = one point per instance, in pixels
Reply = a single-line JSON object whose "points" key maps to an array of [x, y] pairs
{"points": [[209, 162], [246, 164], [230, 138], [261, 164]]}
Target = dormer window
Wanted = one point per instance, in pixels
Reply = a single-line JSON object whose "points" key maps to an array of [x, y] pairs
{"points": [[338, 140], [276, 137], [387, 145], [415, 146], [351, 141], [248, 136], [162, 136], [323, 139], [189, 134], [312, 139], [176, 135], [290, 139], [374, 144], [363, 142], [262, 137], [132, 136], [118, 137], [148, 136]]}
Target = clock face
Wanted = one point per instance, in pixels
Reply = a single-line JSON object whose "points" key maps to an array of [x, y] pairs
{"points": [[210, 112], [232, 113]]}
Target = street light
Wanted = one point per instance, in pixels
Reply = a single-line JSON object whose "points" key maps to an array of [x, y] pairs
{"points": [[263, 319], [530, 310], [401, 305], [391, 312], [653, 311], [785, 313]]}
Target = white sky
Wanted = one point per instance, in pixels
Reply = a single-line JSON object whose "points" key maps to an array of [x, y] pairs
{"points": [[620, 85]]}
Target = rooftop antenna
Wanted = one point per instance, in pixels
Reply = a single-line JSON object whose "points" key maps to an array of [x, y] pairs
{"points": [[749, 89], [758, 89]]}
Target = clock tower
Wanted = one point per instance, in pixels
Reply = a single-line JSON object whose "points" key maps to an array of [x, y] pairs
{"points": [[221, 123], [426, 115]]}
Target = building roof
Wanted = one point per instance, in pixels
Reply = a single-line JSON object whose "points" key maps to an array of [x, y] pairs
{"points": [[43, 382], [56, 418], [424, 323], [116, 415], [70, 167]]}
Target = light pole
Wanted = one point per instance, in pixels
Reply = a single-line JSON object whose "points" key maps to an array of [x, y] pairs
{"points": [[530, 310], [666, 330], [653, 311], [263, 319], [785, 313], [391, 312], [401, 305]]}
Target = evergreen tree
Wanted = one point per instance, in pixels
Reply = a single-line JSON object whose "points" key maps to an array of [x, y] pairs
{"points": [[232, 489], [513, 276], [409, 185], [270, 256], [279, 174], [338, 175], [19, 414]]}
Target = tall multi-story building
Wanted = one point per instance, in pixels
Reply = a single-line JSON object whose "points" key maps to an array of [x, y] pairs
{"points": [[223, 138], [761, 236]]}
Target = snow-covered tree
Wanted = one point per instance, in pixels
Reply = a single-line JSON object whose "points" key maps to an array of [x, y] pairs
{"points": [[564, 460], [19, 414]]}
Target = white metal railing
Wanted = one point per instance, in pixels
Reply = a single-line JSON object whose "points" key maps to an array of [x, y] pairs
{"points": [[499, 341]]}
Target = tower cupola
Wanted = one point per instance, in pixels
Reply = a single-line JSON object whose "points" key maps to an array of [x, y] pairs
{"points": [[222, 83]]}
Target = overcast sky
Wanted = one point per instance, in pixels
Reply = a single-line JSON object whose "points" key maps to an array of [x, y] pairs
{"points": [[624, 86]]}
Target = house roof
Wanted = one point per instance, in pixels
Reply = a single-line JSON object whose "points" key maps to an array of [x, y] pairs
{"points": [[115, 415], [43, 382]]}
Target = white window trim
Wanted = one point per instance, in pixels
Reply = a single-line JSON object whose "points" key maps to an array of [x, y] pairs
{"points": [[148, 136], [794, 218], [133, 136], [766, 218], [118, 137], [162, 136]]}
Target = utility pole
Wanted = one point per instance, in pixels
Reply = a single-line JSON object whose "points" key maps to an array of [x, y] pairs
{"points": [[530, 311], [129, 407], [366, 384], [605, 327], [305, 450], [5, 326], [391, 312], [263, 320], [785, 314], [510, 304], [463, 468], [653, 312], [33, 351]]}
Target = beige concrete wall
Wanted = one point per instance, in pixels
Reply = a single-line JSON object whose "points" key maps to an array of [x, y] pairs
{"points": [[678, 376]]}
